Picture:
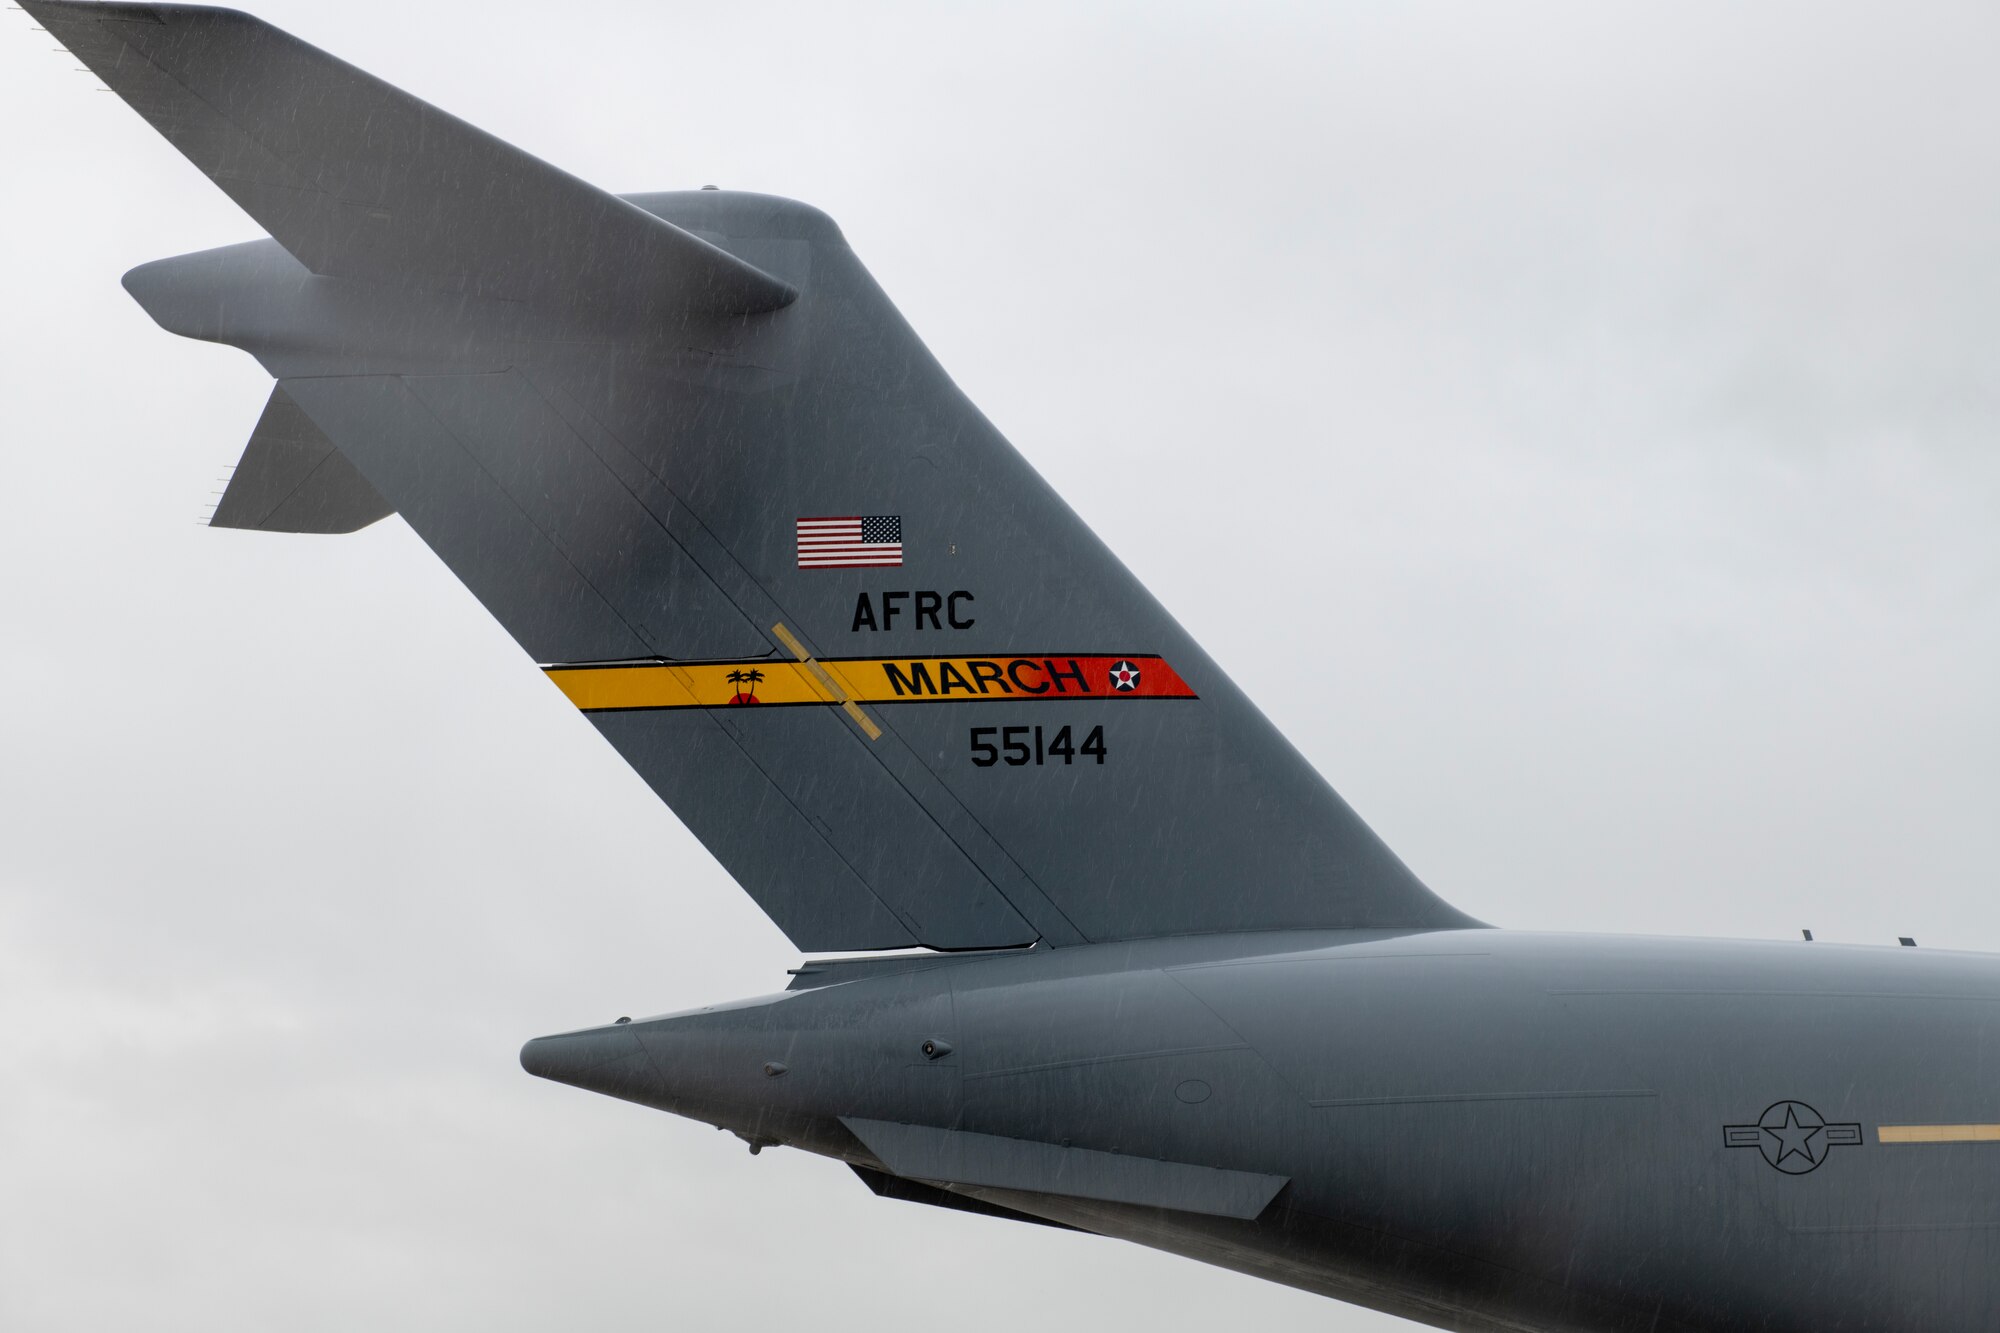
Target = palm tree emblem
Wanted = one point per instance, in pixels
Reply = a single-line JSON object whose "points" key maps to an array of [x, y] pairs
{"points": [[745, 682]]}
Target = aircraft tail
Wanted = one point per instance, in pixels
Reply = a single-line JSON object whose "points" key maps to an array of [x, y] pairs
{"points": [[749, 526]]}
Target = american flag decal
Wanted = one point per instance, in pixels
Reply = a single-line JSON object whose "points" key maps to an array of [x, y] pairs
{"points": [[871, 542]]}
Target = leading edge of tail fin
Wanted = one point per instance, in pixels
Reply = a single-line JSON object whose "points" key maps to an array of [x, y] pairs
{"points": [[358, 179]]}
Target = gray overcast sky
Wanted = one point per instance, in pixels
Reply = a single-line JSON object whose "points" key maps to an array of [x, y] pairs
{"points": [[1573, 423]]}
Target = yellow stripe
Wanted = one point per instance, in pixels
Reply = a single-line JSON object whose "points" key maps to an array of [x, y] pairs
{"points": [[674, 686], [1937, 1133], [854, 682]]}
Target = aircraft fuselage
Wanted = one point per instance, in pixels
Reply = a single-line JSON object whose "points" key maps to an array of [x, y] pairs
{"points": [[1476, 1129]]}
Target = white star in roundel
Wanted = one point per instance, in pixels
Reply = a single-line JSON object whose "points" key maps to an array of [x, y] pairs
{"points": [[1124, 676]]}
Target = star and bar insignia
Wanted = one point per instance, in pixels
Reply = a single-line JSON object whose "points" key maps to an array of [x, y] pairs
{"points": [[1792, 1136]]}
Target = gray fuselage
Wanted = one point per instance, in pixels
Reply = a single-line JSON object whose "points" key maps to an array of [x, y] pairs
{"points": [[1479, 1129]]}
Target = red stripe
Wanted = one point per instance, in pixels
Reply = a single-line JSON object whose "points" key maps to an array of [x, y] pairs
{"points": [[1157, 680]]}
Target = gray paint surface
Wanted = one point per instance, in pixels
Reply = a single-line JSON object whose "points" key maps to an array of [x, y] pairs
{"points": [[292, 479], [1313, 1067], [971, 1162], [1478, 1129]]}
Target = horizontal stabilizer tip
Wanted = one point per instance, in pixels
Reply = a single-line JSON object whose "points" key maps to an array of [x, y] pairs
{"points": [[358, 179], [292, 479]]}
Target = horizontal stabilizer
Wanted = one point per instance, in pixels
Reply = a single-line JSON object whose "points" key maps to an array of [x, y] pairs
{"points": [[360, 180], [292, 479], [956, 1157]]}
